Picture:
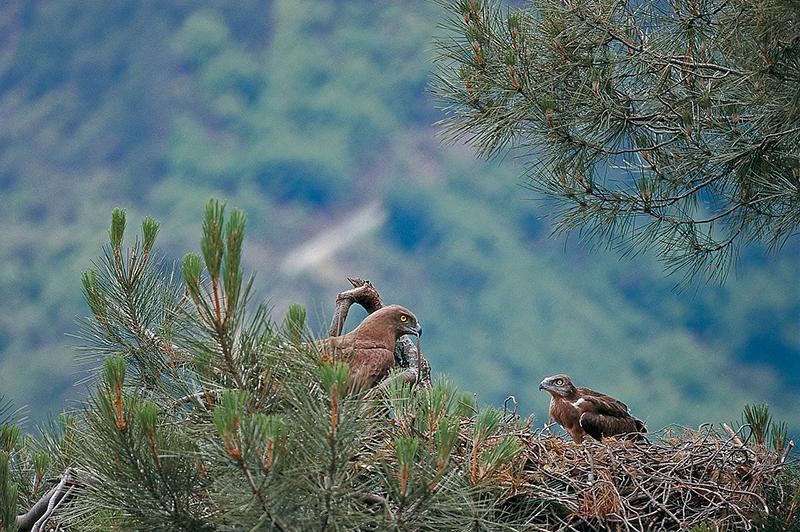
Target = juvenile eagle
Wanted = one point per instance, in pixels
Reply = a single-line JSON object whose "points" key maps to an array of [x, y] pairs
{"points": [[583, 411], [369, 348]]}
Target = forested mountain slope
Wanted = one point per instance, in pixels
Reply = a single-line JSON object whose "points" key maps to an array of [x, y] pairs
{"points": [[305, 113]]}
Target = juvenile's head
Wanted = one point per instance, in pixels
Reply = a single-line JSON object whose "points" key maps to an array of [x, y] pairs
{"points": [[558, 385], [398, 319]]}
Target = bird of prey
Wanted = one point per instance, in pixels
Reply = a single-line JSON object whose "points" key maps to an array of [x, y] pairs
{"points": [[369, 348], [583, 411]]}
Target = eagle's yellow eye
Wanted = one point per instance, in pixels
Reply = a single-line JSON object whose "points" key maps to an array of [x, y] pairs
{"points": [[559, 382], [403, 318]]}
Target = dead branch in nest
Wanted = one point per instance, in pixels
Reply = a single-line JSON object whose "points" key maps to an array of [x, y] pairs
{"points": [[407, 355], [733, 435]]}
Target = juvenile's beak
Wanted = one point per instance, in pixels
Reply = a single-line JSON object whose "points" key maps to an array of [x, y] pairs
{"points": [[541, 385]]}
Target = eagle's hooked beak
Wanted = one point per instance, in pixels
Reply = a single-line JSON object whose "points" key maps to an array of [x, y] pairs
{"points": [[541, 386], [416, 330]]}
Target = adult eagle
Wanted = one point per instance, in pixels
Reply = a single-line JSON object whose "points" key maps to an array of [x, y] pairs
{"points": [[369, 348], [583, 411]]}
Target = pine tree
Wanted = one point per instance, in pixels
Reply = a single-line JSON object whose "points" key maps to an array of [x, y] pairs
{"points": [[663, 126], [204, 414]]}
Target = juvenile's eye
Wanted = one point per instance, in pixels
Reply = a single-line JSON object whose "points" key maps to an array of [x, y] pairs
{"points": [[559, 382], [403, 318]]}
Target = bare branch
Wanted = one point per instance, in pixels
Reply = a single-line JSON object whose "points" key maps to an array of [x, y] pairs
{"points": [[45, 507]]}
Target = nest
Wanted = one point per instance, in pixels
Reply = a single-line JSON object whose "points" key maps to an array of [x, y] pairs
{"points": [[679, 479]]}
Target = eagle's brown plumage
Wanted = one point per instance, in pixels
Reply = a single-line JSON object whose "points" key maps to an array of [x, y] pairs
{"points": [[583, 411], [369, 348]]}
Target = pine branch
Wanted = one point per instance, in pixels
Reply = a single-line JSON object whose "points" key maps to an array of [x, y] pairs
{"points": [[650, 127]]}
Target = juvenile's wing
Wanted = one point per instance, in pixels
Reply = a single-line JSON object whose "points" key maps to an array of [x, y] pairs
{"points": [[606, 416]]}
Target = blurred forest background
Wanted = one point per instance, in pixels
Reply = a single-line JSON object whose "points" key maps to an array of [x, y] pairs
{"points": [[313, 117]]}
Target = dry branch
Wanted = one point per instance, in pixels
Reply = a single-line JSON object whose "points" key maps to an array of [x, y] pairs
{"points": [[34, 519], [362, 293]]}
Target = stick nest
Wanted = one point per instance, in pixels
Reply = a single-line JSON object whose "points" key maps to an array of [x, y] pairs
{"points": [[680, 479]]}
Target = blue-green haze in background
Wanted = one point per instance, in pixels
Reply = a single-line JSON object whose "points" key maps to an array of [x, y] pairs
{"points": [[313, 117]]}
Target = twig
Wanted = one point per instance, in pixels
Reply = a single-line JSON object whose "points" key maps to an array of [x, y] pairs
{"points": [[513, 400], [786, 451], [276, 521], [45, 506], [51, 509], [650, 496], [419, 363], [733, 435]]}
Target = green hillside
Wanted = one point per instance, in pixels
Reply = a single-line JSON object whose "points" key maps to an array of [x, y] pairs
{"points": [[313, 117]]}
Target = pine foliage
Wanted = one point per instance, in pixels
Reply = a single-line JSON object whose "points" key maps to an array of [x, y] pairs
{"points": [[670, 127], [204, 414], [208, 415]]}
